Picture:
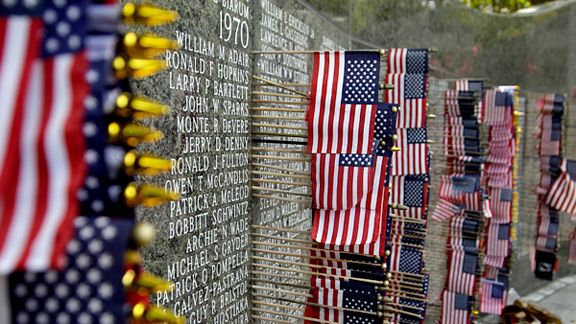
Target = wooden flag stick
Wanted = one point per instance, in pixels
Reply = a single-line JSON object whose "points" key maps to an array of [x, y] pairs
{"points": [[281, 191], [402, 293], [298, 201], [278, 94], [289, 183], [308, 248], [319, 305], [310, 257], [278, 109], [312, 273], [280, 126], [280, 157], [280, 134], [274, 167], [407, 220], [278, 283], [395, 310], [280, 85], [281, 102], [281, 175], [295, 293], [302, 317], [299, 119]]}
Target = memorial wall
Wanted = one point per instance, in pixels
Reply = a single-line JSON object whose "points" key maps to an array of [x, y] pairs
{"points": [[203, 239]]}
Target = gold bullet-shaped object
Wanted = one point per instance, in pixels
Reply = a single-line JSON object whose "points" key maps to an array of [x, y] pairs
{"points": [[147, 14], [147, 195], [146, 45], [518, 113], [132, 134], [518, 130], [145, 164], [398, 206], [150, 313], [145, 280], [382, 52], [395, 149], [395, 137], [129, 106], [143, 234], [132, 257], [395, 109], [382, 85], [386, 283], [388, 252], [388, 275], [432, 116], [430, 141], [125, 67]]}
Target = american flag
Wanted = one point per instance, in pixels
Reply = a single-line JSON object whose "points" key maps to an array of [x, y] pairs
{"points": [[501, 203], [549, 221], [341, 181], [343, 102], [498, 110], [88, 289], [562, 194], [407, 60], [47, 154], [410, 94], [405, 259], [456, 308], [412, 192], [494, 297], [550, 103], [463, 267], [341, 227], [20, 46], [413, 155], [445, 209], [340, 306], [498, 242]]}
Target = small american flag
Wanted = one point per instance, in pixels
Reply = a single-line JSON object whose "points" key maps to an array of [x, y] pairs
{"points": [[340, 306], [562, 194], [405, 259], [412, 192], [407, 60], [410, 94], [456, 308], [501, 203], [47, 155], [445, 209], [462, 272], [494, 297], [412, 159], [498, 242], [343, 102]]}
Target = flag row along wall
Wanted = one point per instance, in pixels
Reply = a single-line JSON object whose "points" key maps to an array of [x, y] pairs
{"points": [[367, 149], [69, 245], [556, 189]]}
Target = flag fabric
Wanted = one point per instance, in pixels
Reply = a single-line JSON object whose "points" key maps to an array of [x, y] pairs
{"points": [[410, 94], [463, 268], [48, 153], [20, 40], [359, 224], [501, 204], [407, 60], [498, 242], [494, 297], [341, 181], [562, 193], [412, 159], [340, 305], [343, 102], [88, 289], [412, 192], [445, 209], [456, 308]]}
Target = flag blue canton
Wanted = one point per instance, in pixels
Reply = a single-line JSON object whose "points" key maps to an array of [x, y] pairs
{"points": [[355, 160], [461, 301], [506, 194], [20, 8], [571, 169], [470, 263], [476, 86], [88, 290], [361, 74], [497, 290], [64, 27], [471, 132], [416, 135], [384, 128], [469, 245], [410, 260], [504, 231], [467, 184], [413, 193], [470, 225], [500, 99], [359, 302], [417, 60], [414, 86]]}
